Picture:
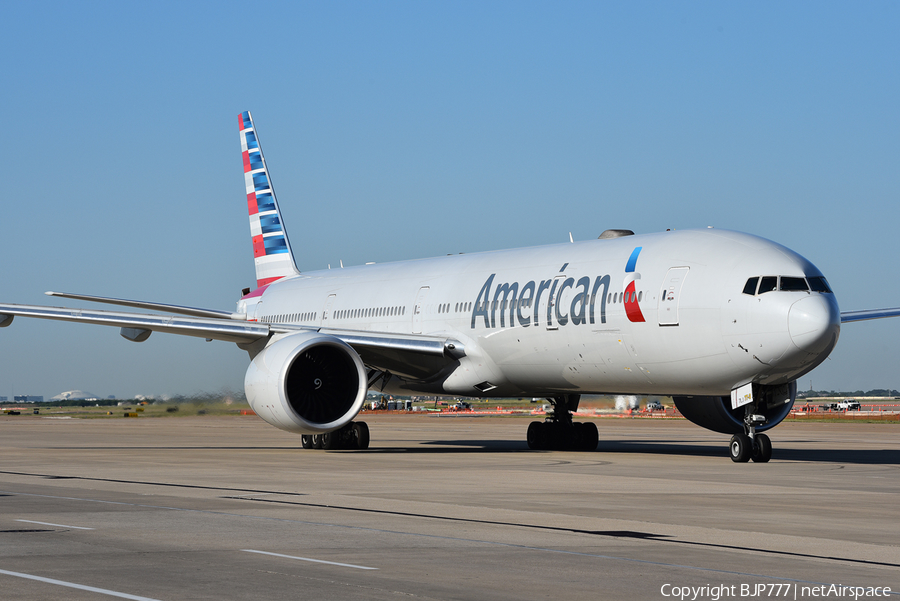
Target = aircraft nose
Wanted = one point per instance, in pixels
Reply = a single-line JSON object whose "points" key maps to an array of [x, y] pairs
{"points": [[814, 323]]}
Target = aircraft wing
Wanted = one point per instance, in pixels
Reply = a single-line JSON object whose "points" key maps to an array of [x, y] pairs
{"points": [[850, 316], [192, 311], [410, 355], [414, 356], [229, 330]]}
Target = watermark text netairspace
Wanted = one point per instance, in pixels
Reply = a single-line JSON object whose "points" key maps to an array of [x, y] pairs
{"points": [[792, 590]]}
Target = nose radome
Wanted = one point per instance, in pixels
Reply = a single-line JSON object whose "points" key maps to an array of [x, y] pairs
{"points": [[814, 323]]}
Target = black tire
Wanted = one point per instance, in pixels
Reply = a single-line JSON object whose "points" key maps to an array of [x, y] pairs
{"points": [[575, 437], [306, 441], [762, 450], [534, 435], [547, 436], [361, 429], [317, 441], [558, 438], [589, 436], [331, 441], [741, 448]]}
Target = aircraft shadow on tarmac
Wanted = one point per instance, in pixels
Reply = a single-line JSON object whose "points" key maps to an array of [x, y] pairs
{"points": [[606, 447], [668, 447]]}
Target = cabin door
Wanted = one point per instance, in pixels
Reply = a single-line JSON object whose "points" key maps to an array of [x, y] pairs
{"points": [[419, 310], [326, 310], [548, 304], [670, 295]]}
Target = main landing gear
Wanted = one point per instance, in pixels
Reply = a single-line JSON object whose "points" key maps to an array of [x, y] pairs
{"points": [[354, 435], [559, 433], [750, 444]]}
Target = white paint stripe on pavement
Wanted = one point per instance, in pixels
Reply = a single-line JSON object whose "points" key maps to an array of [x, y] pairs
{"points": [[331, 563], [49, 524], [81, 587]]}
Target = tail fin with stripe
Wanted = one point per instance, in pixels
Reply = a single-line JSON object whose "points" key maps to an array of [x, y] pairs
{"points": [[271, 248]]}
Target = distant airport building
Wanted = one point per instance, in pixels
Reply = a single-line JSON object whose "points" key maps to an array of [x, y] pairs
{"points": [[27, 398], [2, 399], [75, 395]]}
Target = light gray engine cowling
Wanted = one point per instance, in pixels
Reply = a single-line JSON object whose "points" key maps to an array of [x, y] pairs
{"points": [[715, 412], [306, 383]]}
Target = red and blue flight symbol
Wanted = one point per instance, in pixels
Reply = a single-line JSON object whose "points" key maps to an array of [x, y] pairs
{"points": [[632, 309]]}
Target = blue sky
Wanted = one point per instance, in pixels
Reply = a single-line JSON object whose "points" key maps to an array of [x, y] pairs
{"points": [[399, 130]]}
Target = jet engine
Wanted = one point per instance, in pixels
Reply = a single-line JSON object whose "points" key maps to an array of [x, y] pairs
{"points": [[307, 383], [715, 412]]}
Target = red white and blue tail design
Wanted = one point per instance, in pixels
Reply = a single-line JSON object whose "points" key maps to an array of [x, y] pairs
{"points": [[271, 248]]}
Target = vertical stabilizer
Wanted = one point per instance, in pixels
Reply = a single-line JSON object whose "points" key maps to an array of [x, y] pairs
{"points": [[271, 248]]}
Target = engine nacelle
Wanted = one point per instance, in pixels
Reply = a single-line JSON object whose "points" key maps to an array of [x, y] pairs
{"points": [[715, 412], [307, 383]]}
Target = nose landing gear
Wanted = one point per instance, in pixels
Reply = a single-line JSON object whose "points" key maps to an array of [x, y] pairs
{"points": [[750, 444], [558, 432]]}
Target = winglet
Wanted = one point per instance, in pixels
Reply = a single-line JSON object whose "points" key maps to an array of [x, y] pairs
{"points": [[271, 248]]}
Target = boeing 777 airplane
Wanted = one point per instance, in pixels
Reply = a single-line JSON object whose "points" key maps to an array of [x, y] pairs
{"points": [[723, 322]]}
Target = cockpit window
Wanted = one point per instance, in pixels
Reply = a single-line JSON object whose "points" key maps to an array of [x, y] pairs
{"points": [[818, 284], [790, 284], [785, 283], [768, 284], [750, 286]]}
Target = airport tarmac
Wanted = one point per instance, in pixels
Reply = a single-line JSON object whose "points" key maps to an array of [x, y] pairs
{"points": [[439, 508]]}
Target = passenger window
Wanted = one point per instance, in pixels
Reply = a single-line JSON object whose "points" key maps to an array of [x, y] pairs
{"points": [[768, 284], [789, 284], [818, 284], [750, 286]]}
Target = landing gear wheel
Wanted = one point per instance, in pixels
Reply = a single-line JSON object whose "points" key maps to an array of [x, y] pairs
{"points": [[589, 436], [558, 432], [306, 441], [535, 435], [576, 437], [762, 450], [555, 439], [317, 441], [330, 441], [361, 429], [740, 448]]}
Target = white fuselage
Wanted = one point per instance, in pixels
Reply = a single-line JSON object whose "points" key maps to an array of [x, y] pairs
{"points": [[590, 317]]}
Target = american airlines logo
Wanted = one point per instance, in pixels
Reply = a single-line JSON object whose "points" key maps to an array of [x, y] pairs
{"points": [[632, 309], [512, 304]]}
